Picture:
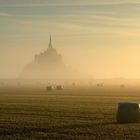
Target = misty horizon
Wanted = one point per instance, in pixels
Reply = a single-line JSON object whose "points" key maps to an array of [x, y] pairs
{"points": [[96, 38]]}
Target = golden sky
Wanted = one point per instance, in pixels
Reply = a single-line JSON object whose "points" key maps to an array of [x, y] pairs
{"points": [[97, 37]]}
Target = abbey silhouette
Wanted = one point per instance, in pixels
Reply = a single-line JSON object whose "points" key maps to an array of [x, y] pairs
{"points": [[49, 65], [49, 58]]}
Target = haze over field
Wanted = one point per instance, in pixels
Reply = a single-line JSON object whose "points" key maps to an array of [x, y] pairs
{"points": [[97, 37]]}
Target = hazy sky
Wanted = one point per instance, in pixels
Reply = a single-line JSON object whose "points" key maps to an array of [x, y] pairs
{"points": [[97, 37]]}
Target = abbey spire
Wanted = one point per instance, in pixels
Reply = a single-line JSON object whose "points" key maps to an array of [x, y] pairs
{"points": [[50, 43]]}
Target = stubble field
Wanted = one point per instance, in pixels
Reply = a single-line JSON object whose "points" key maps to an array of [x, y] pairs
{"points": [[75, 113]]}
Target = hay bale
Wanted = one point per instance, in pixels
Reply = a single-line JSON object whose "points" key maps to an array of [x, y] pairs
{"points": [[128, 112], [122, 86], [100, 85], [73, 84], [49, 88], [59, 87]]}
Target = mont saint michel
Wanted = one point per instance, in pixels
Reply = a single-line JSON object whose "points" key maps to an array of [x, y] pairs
{"points": [[49, 65]]}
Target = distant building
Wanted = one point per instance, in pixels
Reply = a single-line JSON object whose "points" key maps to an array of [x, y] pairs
{"points": [[49, 65], [49, 58]]}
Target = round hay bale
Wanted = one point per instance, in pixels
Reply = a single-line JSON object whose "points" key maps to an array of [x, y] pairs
{"points": [[100, 85], [122, 86], [59, 87], [73, 84], [49, 88], [128, 112]]}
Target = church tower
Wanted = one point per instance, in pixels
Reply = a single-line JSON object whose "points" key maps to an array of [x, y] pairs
{"points": [[50, 43]]}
